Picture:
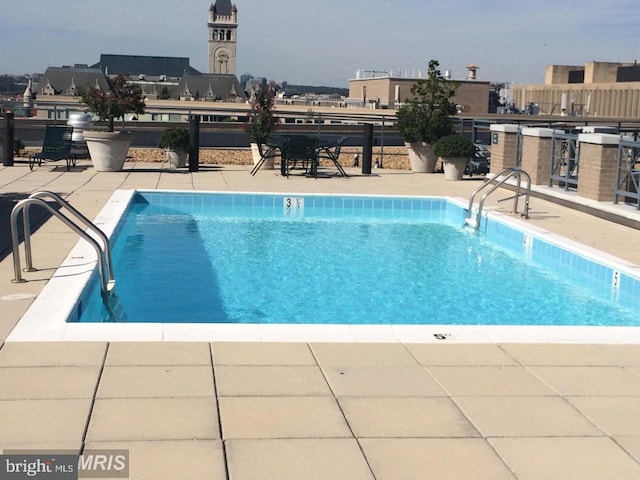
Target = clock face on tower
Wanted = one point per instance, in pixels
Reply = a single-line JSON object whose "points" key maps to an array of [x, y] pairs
{"points": [[223, 56]]}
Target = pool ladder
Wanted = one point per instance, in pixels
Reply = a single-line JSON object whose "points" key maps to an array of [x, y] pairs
{"points": [[105, 266], [474, 217]]}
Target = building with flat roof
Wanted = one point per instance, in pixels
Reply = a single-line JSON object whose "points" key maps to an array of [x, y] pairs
{"points": [[384, 90], [149, 67], [602, 89]]}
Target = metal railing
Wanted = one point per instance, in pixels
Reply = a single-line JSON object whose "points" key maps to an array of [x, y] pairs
{"points": [[474, 217], [565, 160], [105, 266], [628, 172]]}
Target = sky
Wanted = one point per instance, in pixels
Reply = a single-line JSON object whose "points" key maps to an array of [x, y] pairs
{"points": [[324, 42]]}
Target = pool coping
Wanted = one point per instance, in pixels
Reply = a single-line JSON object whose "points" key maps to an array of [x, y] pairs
{"points": [[66, 286]]}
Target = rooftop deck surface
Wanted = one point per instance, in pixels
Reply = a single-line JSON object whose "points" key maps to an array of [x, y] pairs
{"points": [[319, 410]]}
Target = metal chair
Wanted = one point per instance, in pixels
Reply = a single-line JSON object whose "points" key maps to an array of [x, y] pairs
{"points": [[267, 150], [298, 148], [331, 151]]}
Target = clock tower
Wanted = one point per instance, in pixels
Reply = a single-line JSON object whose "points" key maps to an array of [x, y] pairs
{"points": [[223, 37]]}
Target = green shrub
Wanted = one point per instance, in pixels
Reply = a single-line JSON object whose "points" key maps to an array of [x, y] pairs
{"points": [[454, 146], [174, 137]]}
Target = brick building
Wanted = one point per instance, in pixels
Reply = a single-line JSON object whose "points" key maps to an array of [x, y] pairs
{"points": [[387, 91]]}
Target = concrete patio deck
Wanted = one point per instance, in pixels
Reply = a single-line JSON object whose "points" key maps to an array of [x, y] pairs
{"points": [[244, 410]]}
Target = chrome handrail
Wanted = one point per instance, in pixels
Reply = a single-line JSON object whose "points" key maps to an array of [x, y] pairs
{"points": [[107, 283], [88, 223], [500, 180]]}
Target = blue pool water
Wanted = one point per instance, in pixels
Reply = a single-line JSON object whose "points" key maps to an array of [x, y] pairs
{"points": [[334, 260]]}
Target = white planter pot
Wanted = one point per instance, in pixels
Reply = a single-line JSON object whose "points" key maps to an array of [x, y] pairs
{"points": [[454, 167], [108, 150], [255, 153], [421, 157], [177, 158]]}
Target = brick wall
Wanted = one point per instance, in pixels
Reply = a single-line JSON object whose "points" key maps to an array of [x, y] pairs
{"points": [[597, 176], [503, 153], [536, 158]]}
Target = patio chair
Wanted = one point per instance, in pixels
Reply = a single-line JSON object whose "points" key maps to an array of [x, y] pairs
{"points": [[56, 146], [267, 150], [331, 151], [299, 148]]}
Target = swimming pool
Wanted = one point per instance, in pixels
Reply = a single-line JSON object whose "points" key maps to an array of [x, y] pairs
{"points": [[270, 259]]}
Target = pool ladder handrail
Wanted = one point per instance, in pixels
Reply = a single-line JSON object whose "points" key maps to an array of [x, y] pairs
{"points": [[105, 265], [499, 178]]}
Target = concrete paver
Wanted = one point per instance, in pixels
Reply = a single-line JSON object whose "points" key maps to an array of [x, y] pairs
{"points": [[614, 415], [413, 417], [362, 354], [170, 353], [43, 421], [459, 355], [127, 419], [53, 447], [574, 458], [52, 354], [433, 458], [281, 417], [595, 381], [270, 381], [631, 444], [488, 381], [156, 381], [558, 354], [295, 459], [625, 355], [17, 383], [11, 311], [525, 417], [410, 380], [171, 459], [258, 353]]}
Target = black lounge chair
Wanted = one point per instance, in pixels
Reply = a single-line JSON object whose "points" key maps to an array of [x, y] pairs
{"points": [[56, 146]]}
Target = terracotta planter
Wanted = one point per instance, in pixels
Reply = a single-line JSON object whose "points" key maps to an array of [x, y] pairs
{"points": [[454, 167], [108, 150], [421, 157], [177, 157], [255, 153]]}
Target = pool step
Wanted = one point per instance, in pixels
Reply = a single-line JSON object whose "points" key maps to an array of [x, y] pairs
{"points": [[471, 222], [115, 308]]}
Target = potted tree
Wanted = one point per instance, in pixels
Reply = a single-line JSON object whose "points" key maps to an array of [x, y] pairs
{"points": [[455, 151], [261, 122], [426, 117], [175, 141], [108, 149]]}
